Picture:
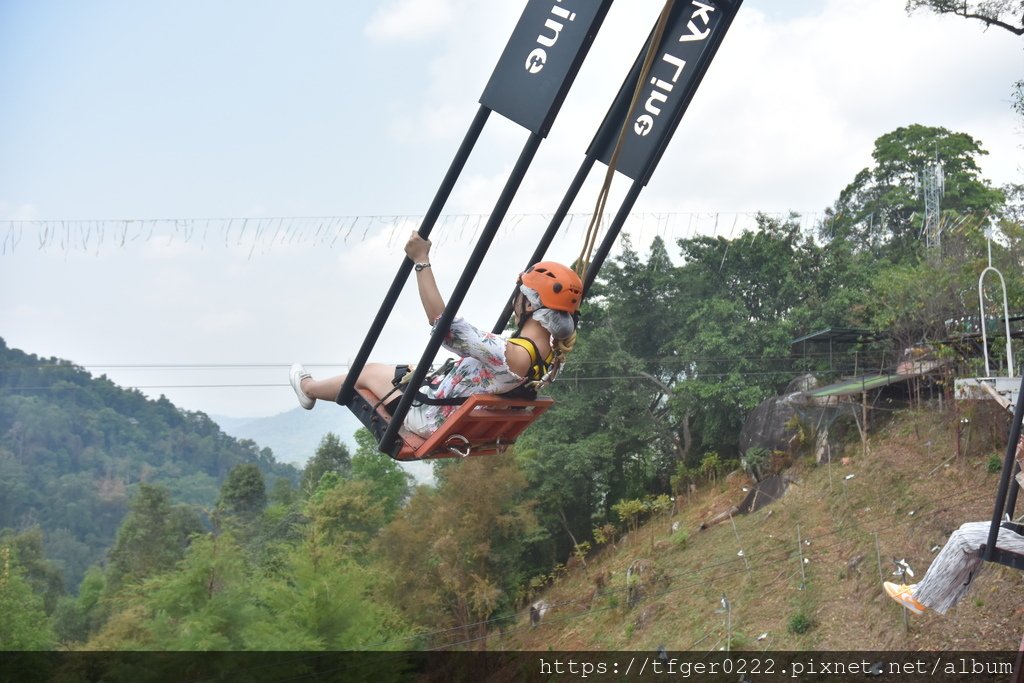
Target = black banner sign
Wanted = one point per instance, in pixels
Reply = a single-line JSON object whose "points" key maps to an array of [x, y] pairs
{"points": [[541, 60], [694, 31]]}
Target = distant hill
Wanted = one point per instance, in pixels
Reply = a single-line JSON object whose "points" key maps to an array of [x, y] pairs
{"points": [[73, 448], [294, 436]]}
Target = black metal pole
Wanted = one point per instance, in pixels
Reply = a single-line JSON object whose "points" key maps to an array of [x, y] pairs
{"points": [[389, 443], [1009, 464], [613, 233], [443, 192], [549, 235], [1011, 501]]}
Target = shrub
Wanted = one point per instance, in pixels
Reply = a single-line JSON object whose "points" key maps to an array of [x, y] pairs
{"points": [[604, 534], [756, 461], [629, 512], [800, 623], [683, 477], [580, 551], [710, 466]]}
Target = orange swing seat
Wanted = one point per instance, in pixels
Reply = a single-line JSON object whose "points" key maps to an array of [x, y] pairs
{"points": [[486, 424]]}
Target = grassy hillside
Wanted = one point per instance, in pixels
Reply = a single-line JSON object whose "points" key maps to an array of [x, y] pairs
{"points": [[900, 500]]}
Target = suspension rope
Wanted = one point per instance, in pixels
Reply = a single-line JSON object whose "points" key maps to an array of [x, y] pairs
{"points": [[583, 263]]}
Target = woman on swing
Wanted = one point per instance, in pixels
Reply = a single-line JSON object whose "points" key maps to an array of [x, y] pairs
{"points": [[545, 309]]}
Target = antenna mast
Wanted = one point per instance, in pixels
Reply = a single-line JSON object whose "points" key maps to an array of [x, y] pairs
{"points": [[933, 186]]}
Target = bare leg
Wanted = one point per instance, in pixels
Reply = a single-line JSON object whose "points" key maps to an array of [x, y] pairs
{"points": [[375, 378]]}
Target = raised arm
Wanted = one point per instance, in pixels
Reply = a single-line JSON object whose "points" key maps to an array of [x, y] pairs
{"points": [[418, 250]]}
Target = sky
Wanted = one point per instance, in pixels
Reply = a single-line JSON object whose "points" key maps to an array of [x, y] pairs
{"points": [[194, 195]]}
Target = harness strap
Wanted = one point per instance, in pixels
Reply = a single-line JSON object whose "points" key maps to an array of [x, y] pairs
{"points": [[538, 368]]}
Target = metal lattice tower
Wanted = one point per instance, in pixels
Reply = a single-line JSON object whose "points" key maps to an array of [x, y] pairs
{"points": [[933, 186]]}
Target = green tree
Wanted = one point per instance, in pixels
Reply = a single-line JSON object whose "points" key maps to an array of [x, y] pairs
{"points": [[386, 482], [323, 599], [629, 512], [240, 508], [746, 297], [152, 538], [912, 302], [613, 433], [346, 513], [331, 456], [881, 211], [205, 603], [24, 625], [244, 492], [216, 599], [34, 567], [283, 492], [454, 552], [77, 618]]}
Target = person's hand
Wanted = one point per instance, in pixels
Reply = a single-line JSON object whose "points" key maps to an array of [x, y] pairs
{"points": [[417, 248]]}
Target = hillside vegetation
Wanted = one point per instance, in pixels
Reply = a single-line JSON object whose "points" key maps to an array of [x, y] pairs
{"points": [[678, 347], [813, 563], [73, 448]]}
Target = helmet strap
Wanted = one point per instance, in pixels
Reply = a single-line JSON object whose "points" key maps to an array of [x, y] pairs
{"points": [[524, 314]]}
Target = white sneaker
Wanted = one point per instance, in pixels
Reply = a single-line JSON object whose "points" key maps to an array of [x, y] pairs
{"points": [[297, 374]]}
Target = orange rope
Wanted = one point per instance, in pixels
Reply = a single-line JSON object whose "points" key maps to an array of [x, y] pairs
{"points": [[583, 262]]}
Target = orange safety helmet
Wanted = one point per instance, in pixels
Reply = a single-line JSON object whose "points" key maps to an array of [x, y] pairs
{"points": [[559, 287]]}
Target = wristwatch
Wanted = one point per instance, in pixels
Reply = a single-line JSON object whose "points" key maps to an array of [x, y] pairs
{"points": [[421, 266]]}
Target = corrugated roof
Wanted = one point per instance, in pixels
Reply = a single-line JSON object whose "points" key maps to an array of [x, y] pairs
{"points": [[856, 385], [846, 335]]}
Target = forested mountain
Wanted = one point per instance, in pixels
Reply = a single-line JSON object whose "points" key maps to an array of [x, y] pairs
{"points": [[74, 447], [293, 436]]}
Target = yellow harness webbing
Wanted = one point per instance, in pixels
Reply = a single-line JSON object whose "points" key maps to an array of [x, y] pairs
{"points": [[538, 367]]}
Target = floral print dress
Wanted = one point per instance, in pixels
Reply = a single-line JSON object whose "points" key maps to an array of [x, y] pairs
{"points": [[481, 368]]}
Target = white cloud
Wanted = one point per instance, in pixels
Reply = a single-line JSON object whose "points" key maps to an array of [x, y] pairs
{"points": [[411, 19], [789, 110]]}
